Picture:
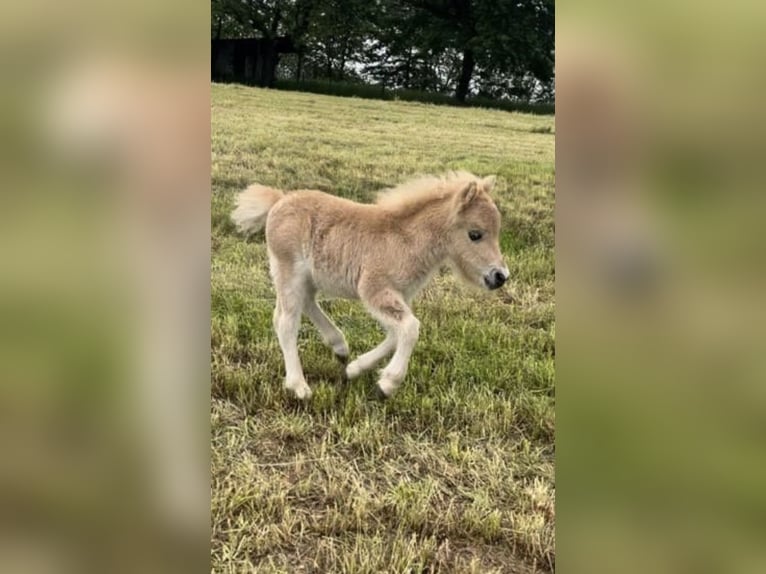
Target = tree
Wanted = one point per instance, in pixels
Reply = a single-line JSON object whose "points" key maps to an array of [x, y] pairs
{"points": [[516, 47], [400, 51], [337, 33], [509, 35], [495, 48]]}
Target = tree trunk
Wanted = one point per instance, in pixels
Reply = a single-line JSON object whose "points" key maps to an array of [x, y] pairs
{"points": [[466, 72], [270, 61], [275, 22], [408, 69], [270, 52], [343, 56], [299, 34], [214, 50], [299, 66]]}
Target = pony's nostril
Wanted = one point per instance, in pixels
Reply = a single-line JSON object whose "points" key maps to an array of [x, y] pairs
{"points": [[495, 278]]}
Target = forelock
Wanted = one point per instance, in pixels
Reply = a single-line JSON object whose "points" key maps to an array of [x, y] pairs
{"points": [[484, 209]]}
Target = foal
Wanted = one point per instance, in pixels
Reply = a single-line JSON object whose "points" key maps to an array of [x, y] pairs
{"points": [[381, 253]]}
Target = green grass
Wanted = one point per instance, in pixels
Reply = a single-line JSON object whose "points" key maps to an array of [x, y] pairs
{"points": [[455, 472]]}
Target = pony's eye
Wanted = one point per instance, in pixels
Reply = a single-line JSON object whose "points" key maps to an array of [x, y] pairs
{"points": [[474, 235]]}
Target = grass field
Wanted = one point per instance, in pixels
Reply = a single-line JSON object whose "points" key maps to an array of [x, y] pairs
{"points": [[454, 473]]}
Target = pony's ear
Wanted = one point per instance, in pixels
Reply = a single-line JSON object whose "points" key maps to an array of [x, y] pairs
{"points": [[488, 183], [467, 195]]}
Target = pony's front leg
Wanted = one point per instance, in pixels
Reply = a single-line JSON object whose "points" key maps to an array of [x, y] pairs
{"points": [[371, 358], [392, 311], [393, 373]]}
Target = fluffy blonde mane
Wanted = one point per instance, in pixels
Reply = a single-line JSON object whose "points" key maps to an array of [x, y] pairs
{"points": [[424, 188]]}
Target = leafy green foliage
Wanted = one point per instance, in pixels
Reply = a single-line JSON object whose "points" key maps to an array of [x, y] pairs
{"points": [[497, 49]]}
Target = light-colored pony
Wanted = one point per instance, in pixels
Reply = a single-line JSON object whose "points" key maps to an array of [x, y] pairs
{"points": [[381, 253]]}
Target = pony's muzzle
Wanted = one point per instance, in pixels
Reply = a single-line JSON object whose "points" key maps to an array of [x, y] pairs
{"points": [[496, 278]]}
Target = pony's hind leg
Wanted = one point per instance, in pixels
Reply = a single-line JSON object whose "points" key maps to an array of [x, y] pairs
{"points": [[371, 358], [331, 335], [390, 308], [291, 293]]}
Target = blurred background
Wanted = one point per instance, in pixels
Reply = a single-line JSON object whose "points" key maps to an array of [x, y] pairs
{"points": [[104, 341], [660, 280]]}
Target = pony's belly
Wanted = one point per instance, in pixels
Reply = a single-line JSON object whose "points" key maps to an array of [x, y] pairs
{"points": [[334, 286]]}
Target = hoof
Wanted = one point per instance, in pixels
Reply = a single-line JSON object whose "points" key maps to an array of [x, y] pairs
{"points": [[387, 387], [300, 389], [342, 359], [341, 352], [378, 395], [352, 370]]}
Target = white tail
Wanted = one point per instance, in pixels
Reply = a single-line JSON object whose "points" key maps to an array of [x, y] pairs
{"points": [[253, 207]]}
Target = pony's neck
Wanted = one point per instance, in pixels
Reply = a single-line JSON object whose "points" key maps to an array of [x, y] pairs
{"points": [[428, 223]]}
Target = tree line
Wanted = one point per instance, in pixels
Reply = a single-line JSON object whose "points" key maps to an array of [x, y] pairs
{"points": [[499, 49]]}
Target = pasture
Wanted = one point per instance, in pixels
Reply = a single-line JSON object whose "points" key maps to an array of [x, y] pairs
{"points": [[455, 473]]}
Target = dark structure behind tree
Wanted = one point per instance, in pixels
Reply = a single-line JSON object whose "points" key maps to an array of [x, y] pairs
{"points": [[248, 60]]}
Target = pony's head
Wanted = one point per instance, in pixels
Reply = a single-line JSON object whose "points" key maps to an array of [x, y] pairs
{"points": [[473, 238]]}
